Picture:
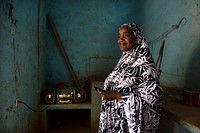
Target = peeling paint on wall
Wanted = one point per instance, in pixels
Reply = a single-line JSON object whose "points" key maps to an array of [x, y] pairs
{"points": [[18, 67], [10, 14], [15, 68]]}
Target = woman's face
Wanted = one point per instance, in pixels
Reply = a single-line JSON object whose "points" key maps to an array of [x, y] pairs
{"points": [[126, 39]]}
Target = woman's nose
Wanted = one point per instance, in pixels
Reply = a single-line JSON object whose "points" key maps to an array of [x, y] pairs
{"points": [[121, 38]]}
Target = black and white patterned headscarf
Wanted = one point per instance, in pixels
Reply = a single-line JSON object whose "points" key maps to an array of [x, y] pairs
{"points": [[137, 31]]}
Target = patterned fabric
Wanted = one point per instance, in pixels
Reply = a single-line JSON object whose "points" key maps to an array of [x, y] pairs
{"points": [[136, 78]]}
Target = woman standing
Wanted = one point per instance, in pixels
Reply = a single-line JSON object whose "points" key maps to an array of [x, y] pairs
{"points": [[131, 100]]}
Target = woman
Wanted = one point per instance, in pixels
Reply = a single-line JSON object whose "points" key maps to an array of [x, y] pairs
{"points": [[131, 100]]}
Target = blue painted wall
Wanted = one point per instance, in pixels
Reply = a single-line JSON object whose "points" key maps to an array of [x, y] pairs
{"points": [[180, 63], [31, 59], [89, 34], [88, 31], [19, 65]]}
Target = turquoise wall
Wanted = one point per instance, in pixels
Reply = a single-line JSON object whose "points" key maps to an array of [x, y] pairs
{"points": [[31, 59], [88, 31], [89, 34], [19, 65], [180, 63]]}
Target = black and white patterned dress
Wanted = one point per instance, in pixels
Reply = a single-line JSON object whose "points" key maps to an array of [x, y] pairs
{"points": [[136, 78]]}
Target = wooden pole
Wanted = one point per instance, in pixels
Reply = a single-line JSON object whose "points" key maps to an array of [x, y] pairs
{"points": [[160, 58], [63, 51]]}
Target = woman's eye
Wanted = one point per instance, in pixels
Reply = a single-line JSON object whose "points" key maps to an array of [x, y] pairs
{"points": [[126, 35]]}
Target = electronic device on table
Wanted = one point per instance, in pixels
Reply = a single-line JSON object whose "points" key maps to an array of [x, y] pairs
{"points": [[64, 95]]}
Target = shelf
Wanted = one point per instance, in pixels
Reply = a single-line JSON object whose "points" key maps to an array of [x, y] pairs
{"points": [[187, 116], [92, 106], [85, 105]]}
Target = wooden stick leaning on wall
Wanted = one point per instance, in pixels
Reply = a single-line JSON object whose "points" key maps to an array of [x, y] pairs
{"points": [[63, 52], [159, 59]]}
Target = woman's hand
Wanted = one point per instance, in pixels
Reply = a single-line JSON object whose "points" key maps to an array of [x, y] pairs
{"points": [[110, 95]]}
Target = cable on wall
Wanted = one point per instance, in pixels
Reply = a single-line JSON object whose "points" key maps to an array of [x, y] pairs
{"points": [[33, 109], [173, 27]]}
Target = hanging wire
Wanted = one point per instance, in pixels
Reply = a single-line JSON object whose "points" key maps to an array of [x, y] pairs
{"points": [[173, 27], [31, 108]]}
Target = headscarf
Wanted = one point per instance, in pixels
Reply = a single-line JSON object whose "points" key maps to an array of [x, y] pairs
{"points": [[133, 59], [137, 31]]}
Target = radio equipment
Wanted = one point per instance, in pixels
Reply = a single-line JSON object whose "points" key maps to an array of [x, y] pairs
{"points": [[63, 95], [70, 95], [79, 95], [48, 96]]}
